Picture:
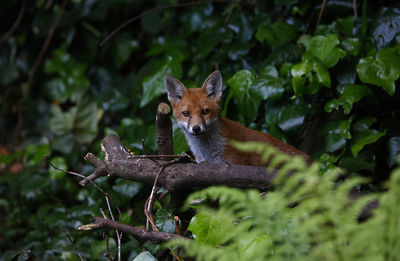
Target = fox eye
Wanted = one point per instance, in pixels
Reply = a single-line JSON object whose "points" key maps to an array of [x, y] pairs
{"points": [[205, 111], [186, 113]]}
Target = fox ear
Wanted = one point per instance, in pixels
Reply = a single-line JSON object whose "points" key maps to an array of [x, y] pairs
{"points": [[213, 85], [175, 88]]}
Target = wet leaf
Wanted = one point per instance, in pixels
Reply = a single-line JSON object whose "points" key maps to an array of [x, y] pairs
{"points": [[351, 93], [326, 49], [363, 135], [246, 95], [383, 69]]}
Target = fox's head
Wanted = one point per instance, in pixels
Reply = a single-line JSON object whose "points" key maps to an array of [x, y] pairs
{"points": [[195, 109]]}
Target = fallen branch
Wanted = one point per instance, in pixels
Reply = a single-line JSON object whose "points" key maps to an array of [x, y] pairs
{"points": [[119, 162], [140, 234]]}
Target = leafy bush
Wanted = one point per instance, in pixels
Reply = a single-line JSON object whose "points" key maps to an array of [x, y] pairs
{"points": [[235, 224]]}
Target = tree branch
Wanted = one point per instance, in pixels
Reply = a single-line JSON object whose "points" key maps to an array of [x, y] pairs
{"points": [[119, 162], [140, 234]]}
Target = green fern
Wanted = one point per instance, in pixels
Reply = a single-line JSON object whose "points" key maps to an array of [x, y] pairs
{"points": [[323, 225]]}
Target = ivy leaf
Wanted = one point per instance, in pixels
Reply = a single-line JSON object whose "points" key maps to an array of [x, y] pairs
{"points": [[126, 190], [394, 151], [153, 85], [386, 27], [165, 220], [382, 70], [277, 33], [269, 85], [336, 133], [345, 25], [309, 76], [352, 45], [351, 94], [86, 120], [326, 50], [82, 119], [246, 95], [363, 135], [145, 256], [35, 153], [61, 122]]}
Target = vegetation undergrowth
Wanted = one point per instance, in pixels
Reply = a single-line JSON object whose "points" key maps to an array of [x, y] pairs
{"points": [[308, 216]]}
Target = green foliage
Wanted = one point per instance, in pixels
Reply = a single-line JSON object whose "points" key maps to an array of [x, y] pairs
{"points": [[234, 224], [383, 69], [278, 72]]}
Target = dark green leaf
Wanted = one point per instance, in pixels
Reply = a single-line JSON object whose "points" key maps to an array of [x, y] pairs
{"points": [[345, 25], [351, 45], [336, 133], [277, 33], [382, 70], [165, 221], [326, 50], [34, 154], [351, 93], [153, 85], [151, 22], [86, 120], [363, 135], [309, 76], [246, 95]]}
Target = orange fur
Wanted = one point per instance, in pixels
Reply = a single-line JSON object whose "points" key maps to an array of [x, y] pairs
{"points": [[208, 133]]}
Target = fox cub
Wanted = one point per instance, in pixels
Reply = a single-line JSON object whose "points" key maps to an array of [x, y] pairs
{"points": [[197, 112]]}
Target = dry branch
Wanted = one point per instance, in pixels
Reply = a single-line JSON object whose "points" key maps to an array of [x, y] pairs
{"points": [[119, 162], [139, 233]]}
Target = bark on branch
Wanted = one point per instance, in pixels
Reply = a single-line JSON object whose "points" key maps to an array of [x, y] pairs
{"points": [[119, 162], [139, 233]]}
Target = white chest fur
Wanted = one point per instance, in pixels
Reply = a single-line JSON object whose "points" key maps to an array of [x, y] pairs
{"points": [[209, 146]]}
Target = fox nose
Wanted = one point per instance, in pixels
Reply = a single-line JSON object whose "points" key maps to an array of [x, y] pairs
{"points": [[196, 129]]}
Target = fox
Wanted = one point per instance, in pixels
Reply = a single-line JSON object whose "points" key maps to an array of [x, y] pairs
{"points": [[198, 114]]}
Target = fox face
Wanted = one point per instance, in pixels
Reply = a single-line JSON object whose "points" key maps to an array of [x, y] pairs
{"points": [[196, 109]]}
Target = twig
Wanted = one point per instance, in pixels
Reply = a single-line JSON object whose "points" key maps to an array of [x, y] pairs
{"points": [[72, 242], [100, 168], [139, 233], [150, 202], [321, 11], [158, 8], [16, 23], [231, 8], [158, 156], [91, 182], [145, 151], [119, 235], [355, 8], [107, 253]]}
